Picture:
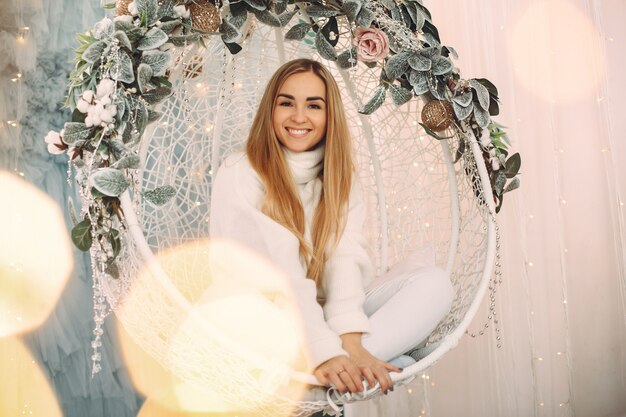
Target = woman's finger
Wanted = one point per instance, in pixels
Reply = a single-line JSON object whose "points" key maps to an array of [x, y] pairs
{"points": [[337, 382], [369, 376]]}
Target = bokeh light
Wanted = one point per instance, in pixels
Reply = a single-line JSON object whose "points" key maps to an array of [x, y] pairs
{"points": [[35, 255], [554, 51], [25, 390], [220, 328]]}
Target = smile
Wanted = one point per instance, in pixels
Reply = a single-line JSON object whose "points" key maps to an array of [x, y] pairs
{"points": [[297, 132]]}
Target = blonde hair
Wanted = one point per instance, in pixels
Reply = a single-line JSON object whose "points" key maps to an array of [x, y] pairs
{"points": [[281, 202]]}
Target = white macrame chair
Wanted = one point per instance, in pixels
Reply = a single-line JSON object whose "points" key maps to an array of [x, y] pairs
{"points": [[417, 196]]}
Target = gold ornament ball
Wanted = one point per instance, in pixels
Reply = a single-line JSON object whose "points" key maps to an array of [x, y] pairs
{"points": [[121, 7], [204, 16], [193, 68], [437, 115]]}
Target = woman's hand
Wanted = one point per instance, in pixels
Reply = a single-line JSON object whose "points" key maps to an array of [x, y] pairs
{"points": [[372, 368], [341, 372]]}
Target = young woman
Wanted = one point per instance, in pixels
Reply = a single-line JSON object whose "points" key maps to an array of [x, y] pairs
{"points": [[292, 197]]}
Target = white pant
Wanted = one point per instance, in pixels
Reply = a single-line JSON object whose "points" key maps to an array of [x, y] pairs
{"points": [[404, 307]]}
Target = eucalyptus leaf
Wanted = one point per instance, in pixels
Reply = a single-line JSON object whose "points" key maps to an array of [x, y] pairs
{"points": [[462, 112], [297, 32], [256, 4], [352, 8], [280, 6], [229, 32], [430, 29], [116, 244], [286, 17], [441, 65], [499, 183], [234, 48], [399, 95], [153, 115], [122, 37], [118, 148], [463, 100], [376, 101], [488, 85], [109, 181], [316, 11], [130, 161], [482, 117], [95, 51], [481, 93], [267, 17], [170, 25], [122, 68], [74, 132], [512, 185], [419, 82], [72, 211], [448, 50], [397, 65], [160, 195], [147, 7], [347, 59], [183, 40], [324, 48], [156, 95], [432, 133], [158, 60], [439, 89], [513, 165], [419, 62], [154, 38], [365, 17], [81, 235], [144, 74], [141, 120]]}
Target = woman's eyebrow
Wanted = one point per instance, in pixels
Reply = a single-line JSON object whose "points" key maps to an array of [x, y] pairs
{"points": [[290, 97]]}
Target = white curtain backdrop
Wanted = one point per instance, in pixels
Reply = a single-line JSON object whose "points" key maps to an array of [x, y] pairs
{"points": [[559, 68], [561, 308]]}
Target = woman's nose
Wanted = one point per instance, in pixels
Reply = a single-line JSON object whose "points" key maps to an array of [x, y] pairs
{"points": [[299, 114]]}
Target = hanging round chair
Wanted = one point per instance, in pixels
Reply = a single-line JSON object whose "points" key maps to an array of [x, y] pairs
{"points": [[417, 196], [147, 191]]}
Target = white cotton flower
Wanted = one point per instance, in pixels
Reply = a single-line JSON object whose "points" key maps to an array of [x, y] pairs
{"points": [[492, 152], [82, 105], [89, 121], [105, 87], [132, 8], [106, 100], [112, 108], [88, 96], [495, 164], [181, 11], [98, 109], [485, 138], [107, 116], [96, 120], [55, 143]]}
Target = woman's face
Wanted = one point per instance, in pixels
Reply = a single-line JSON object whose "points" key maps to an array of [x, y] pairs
{"points": [[299, 118]]}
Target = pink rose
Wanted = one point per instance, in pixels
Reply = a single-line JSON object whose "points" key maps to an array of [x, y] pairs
{"points": [[55, 143], [371, 44]]}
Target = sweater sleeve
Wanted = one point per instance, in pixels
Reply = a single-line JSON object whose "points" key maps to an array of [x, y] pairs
{"points": [[348, 270], [236, 193]]}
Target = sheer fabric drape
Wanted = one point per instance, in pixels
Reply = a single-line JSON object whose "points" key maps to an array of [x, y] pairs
{"points": [[561, 307]]}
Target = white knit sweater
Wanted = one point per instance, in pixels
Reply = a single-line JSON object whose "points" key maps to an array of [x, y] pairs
{"points": [[337, 307]]}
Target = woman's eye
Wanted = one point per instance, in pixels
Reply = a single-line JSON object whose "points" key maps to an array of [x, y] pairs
{"points": [[285, 104], [315, 106]]}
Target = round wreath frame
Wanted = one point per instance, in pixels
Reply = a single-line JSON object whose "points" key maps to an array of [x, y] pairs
{"points": [[122, 72]]}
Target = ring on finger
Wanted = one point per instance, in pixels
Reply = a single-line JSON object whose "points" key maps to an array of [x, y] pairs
{"points": [[340, 371]]}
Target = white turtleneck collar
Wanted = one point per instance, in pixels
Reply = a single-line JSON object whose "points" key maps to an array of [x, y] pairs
{"points": [[305, 166]]}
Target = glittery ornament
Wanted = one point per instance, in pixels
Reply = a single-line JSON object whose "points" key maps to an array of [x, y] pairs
{"points": [[437, 115], [193, 67], [204, 16], [121, 7]]}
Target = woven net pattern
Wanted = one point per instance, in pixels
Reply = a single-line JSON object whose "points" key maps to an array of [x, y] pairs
{"points": [[409, 181]]}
